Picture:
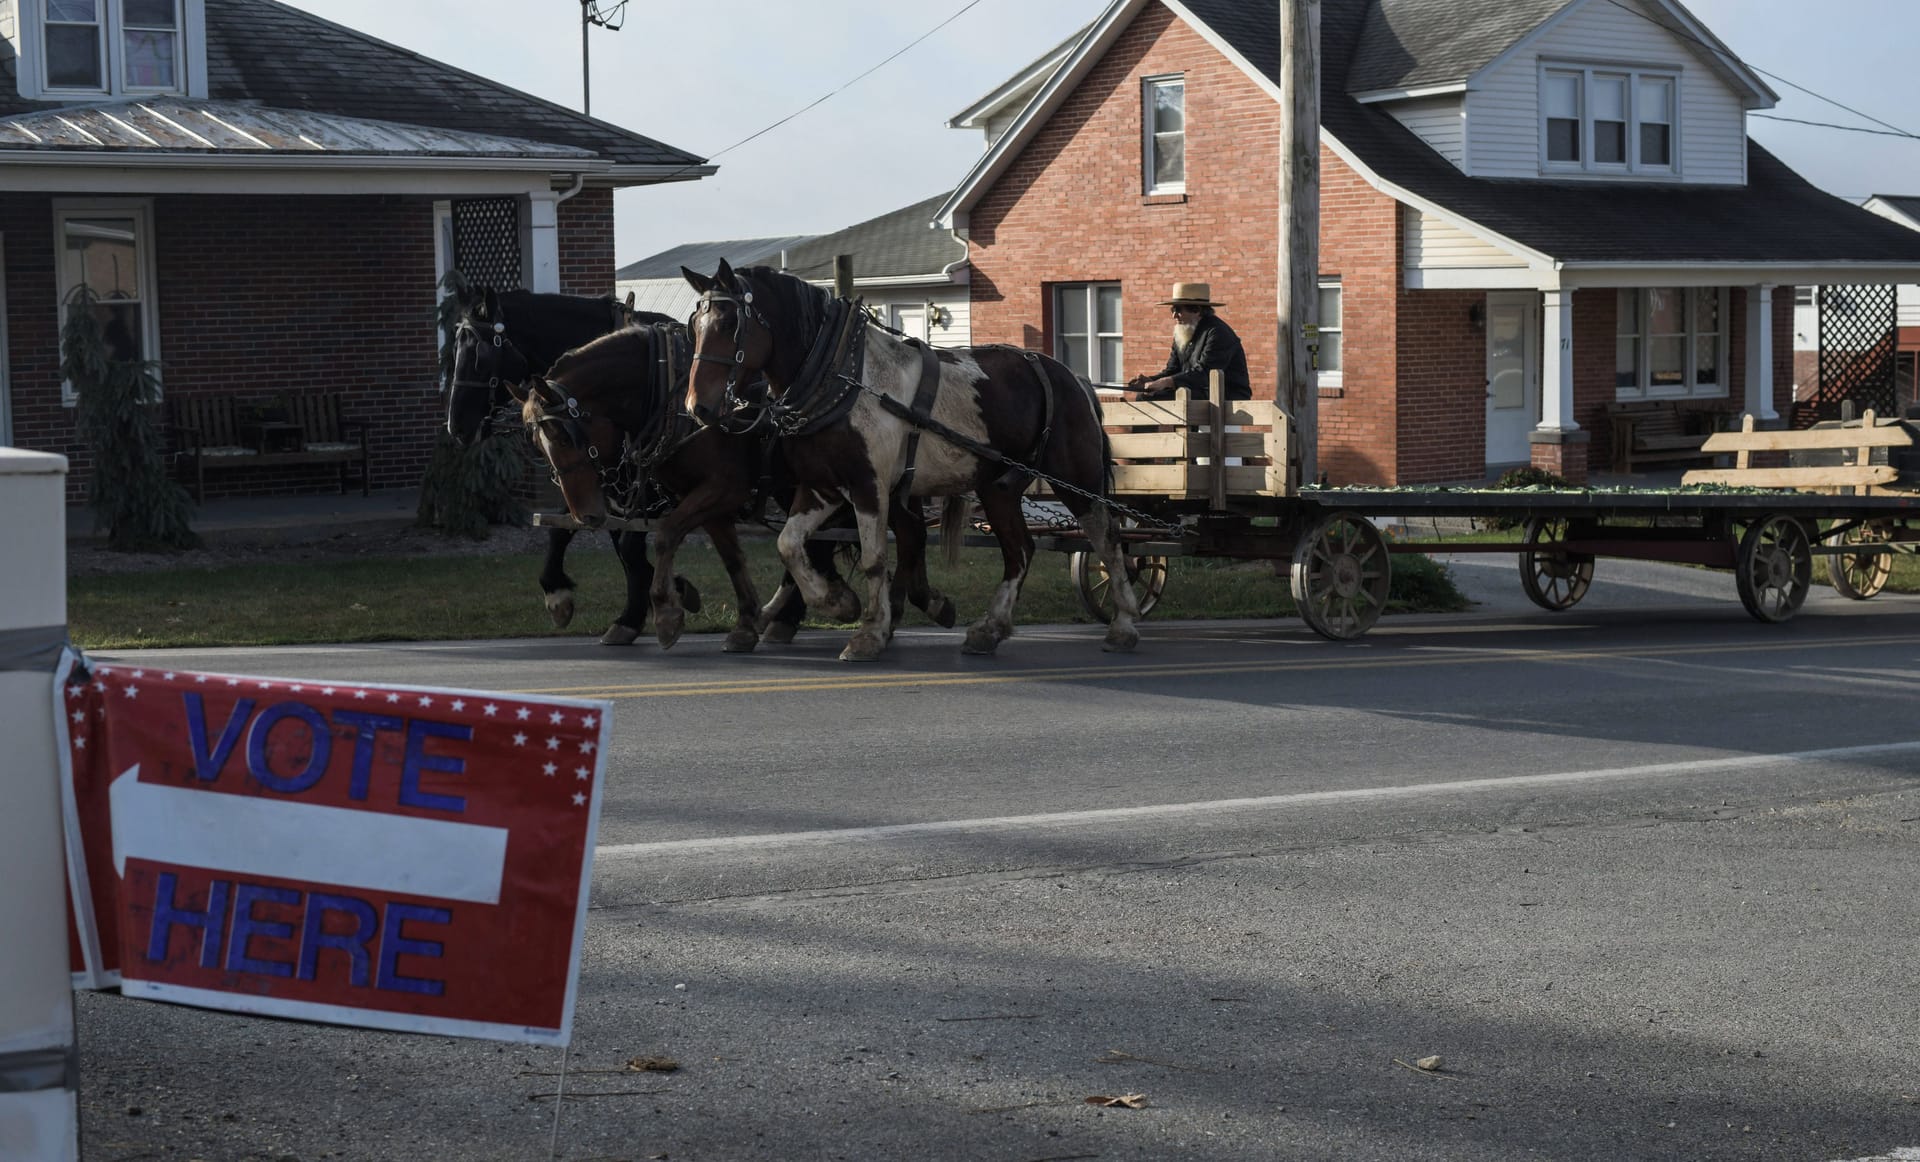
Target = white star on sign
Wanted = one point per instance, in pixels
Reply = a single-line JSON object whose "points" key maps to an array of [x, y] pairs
{"points": [[556, 718], [393, 698], [266, 685], [104, 670], [79, 744], [580, 773], [553, 744], [168, 676], [523, 714], [233, 681], [459, 703], [425, 701], [200, 679], [360, 694], [549, 770], [326, 691], [587, 747], [100, 686], [79, 716], [133, 691], [589, 722], [519, 740], [295, 689], [579, 800], [490, 708], [75, 691], [139, 674]]}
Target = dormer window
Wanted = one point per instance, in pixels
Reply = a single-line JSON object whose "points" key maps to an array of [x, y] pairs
{"points": [[106, 47], [1600, 120]]}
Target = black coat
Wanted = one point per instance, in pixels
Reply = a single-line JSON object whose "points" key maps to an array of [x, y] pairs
{"points": [[1214, 346]]}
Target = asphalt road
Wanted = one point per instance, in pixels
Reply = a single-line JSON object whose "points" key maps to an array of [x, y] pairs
{"points": [[1642, 875]]}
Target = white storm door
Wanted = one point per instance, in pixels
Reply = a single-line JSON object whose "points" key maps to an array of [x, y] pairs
{"points": [[1513, 376], [909, 321]]}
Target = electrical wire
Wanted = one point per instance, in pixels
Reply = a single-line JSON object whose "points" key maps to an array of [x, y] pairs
{"points": [[1831, 125]]}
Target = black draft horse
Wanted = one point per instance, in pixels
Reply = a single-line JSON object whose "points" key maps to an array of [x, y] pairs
{"points": [[609, 412], [501, 339], [853, 401]]}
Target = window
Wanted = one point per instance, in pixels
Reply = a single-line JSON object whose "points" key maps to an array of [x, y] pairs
{"points": [[1327, 358], [1670, 341], [1607, 120], [105, 247], [1165, 121], [108, 46], [1087, 331]]}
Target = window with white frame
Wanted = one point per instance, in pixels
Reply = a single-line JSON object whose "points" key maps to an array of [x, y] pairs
{"points": [[1327, 357], [1669, 342], [1087, 330], [107, 248], [1165, 144], [112, 47], [1601, 120]]}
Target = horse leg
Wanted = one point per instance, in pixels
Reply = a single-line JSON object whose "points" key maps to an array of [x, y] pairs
{"points": [[1097, 522], [781, 618], [631, 548], [834, 599], [1002, 508], [554, 581], [876, 627], [745, 634], [910, 580], [705, 504]]}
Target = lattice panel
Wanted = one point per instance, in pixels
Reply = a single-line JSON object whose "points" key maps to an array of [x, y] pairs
{"points": [[1858, 329], [486, 241]]}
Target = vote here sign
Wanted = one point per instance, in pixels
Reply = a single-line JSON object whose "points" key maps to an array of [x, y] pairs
{"points": [[395, 857]]}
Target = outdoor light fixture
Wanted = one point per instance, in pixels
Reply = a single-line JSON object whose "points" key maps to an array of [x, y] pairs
{"points": [[938, 315], [1477, 315]]}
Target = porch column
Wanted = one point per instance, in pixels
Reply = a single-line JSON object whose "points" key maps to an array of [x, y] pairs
{"points": [[1759, 403], [1558, 444], [1556, 364], [542, 272]]}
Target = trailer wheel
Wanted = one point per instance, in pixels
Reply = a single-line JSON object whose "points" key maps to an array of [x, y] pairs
{"points": [[1861, 575], [1554, 579], [1774, 567], [1341, 573], [1095, 590]]}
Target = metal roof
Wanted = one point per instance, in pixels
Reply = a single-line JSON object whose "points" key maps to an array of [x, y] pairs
{"points": [[172, 124], [705, 257]]}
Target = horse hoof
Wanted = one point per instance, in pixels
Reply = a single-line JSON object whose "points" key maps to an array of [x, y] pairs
{"points": [[740, 641], [980, 640], [668, 624], [560, 607], [1120, 641], [619, 635], [780, 633], [944, 615], [689, 594], [865, 647]]}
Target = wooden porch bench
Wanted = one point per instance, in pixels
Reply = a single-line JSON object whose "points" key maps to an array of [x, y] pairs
{"points": [[1659, 430], [214, 432]]}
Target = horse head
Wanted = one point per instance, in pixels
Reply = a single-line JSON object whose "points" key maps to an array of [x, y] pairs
{"points": [[486, 366], [581, 414], [734, 342]]}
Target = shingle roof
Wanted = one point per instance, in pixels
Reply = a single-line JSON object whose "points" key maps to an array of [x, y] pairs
{"points": [[268, 52], [1407, 44], [896, 245], [1777, 217], [1902, 203], [705, 256]]}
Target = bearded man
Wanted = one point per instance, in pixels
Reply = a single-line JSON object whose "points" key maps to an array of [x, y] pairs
{"points": [[1202, 342]]}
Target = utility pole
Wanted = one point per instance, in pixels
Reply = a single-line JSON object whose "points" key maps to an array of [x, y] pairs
{"points": [[591, 15], [843, 276], [1299, 232]]}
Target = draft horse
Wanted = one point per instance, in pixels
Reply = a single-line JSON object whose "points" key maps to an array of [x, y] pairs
{"points": [[609, 412], [505, 338], [853, 401]]}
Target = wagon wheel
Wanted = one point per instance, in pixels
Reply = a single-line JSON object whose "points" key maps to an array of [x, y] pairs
{"points": [[1774, 568], [1341, 573], [1553, 579], [1095, 589], [1861, 575]]}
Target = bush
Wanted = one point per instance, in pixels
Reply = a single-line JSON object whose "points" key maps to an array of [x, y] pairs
{"points": [[1420, 582], [467, 489], [132, 495], [1524, 477]]}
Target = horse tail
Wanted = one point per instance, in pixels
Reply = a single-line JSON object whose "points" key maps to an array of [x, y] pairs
{"points": [[953, 527]]}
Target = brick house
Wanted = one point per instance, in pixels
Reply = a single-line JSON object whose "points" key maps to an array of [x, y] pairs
{"points": [[1530, 210], [265, 202]]}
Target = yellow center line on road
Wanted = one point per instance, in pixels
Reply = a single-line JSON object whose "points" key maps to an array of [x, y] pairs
{"points": [[1448, 656]]}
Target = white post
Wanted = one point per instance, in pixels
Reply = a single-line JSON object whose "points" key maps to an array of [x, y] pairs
{"points": [[39, 1072], [1759, 403], [542, 271], [1556, 389], [1299, 297]]}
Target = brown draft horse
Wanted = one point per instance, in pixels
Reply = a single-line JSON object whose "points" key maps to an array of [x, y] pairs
{"points": [[608, 413], [852, 401]]}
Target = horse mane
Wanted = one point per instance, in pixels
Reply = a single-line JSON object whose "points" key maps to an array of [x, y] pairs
{"points": [[793, 298]]}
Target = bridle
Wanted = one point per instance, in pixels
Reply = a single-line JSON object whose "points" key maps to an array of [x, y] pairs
{"points": [[732, 404], [563, 411], [496, 334]]}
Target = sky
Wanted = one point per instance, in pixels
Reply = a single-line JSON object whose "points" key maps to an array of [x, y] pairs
{"points": [[702, 75]]}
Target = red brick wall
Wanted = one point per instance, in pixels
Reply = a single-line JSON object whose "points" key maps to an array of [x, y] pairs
{"points": [[1361, 428], [1442, 365], [586, 243]]}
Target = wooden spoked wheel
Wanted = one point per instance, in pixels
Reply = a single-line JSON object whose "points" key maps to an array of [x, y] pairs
{"points": [[1341, 574], [1774, 567], [1095, 587], [1554, 579], [1861, 575]]}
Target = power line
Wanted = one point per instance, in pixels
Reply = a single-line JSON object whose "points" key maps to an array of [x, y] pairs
{"points": [[1831, 125]]}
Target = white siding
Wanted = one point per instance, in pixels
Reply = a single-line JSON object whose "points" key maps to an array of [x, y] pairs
{"points": [[1910, 306], [1435, 244], [1504, 112], [1437, 121]]}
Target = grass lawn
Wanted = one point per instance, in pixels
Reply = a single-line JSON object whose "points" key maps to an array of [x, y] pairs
{"points": [[429, 598]]}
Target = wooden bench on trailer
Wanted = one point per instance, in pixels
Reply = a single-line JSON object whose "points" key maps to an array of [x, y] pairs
{"points": [[1855, 442], [213, 432], [1176, 448], [1660, 430]]}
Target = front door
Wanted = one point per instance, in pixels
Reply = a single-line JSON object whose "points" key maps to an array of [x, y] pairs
{"points": [[1513, 377]]}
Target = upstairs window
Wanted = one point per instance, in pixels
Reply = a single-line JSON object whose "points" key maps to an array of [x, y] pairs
{"points": [[1165, 144], [1599, 120], [113, 47], [1087, 335]]}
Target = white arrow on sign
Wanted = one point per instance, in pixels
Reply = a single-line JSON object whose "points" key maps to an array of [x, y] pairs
{"points": [[249, 835]]}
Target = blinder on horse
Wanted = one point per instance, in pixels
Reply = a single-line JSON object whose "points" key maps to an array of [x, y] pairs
{"points": [[549, 408]]}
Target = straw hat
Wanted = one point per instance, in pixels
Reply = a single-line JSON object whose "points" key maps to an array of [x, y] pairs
{"points": [[1192, 294]]}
